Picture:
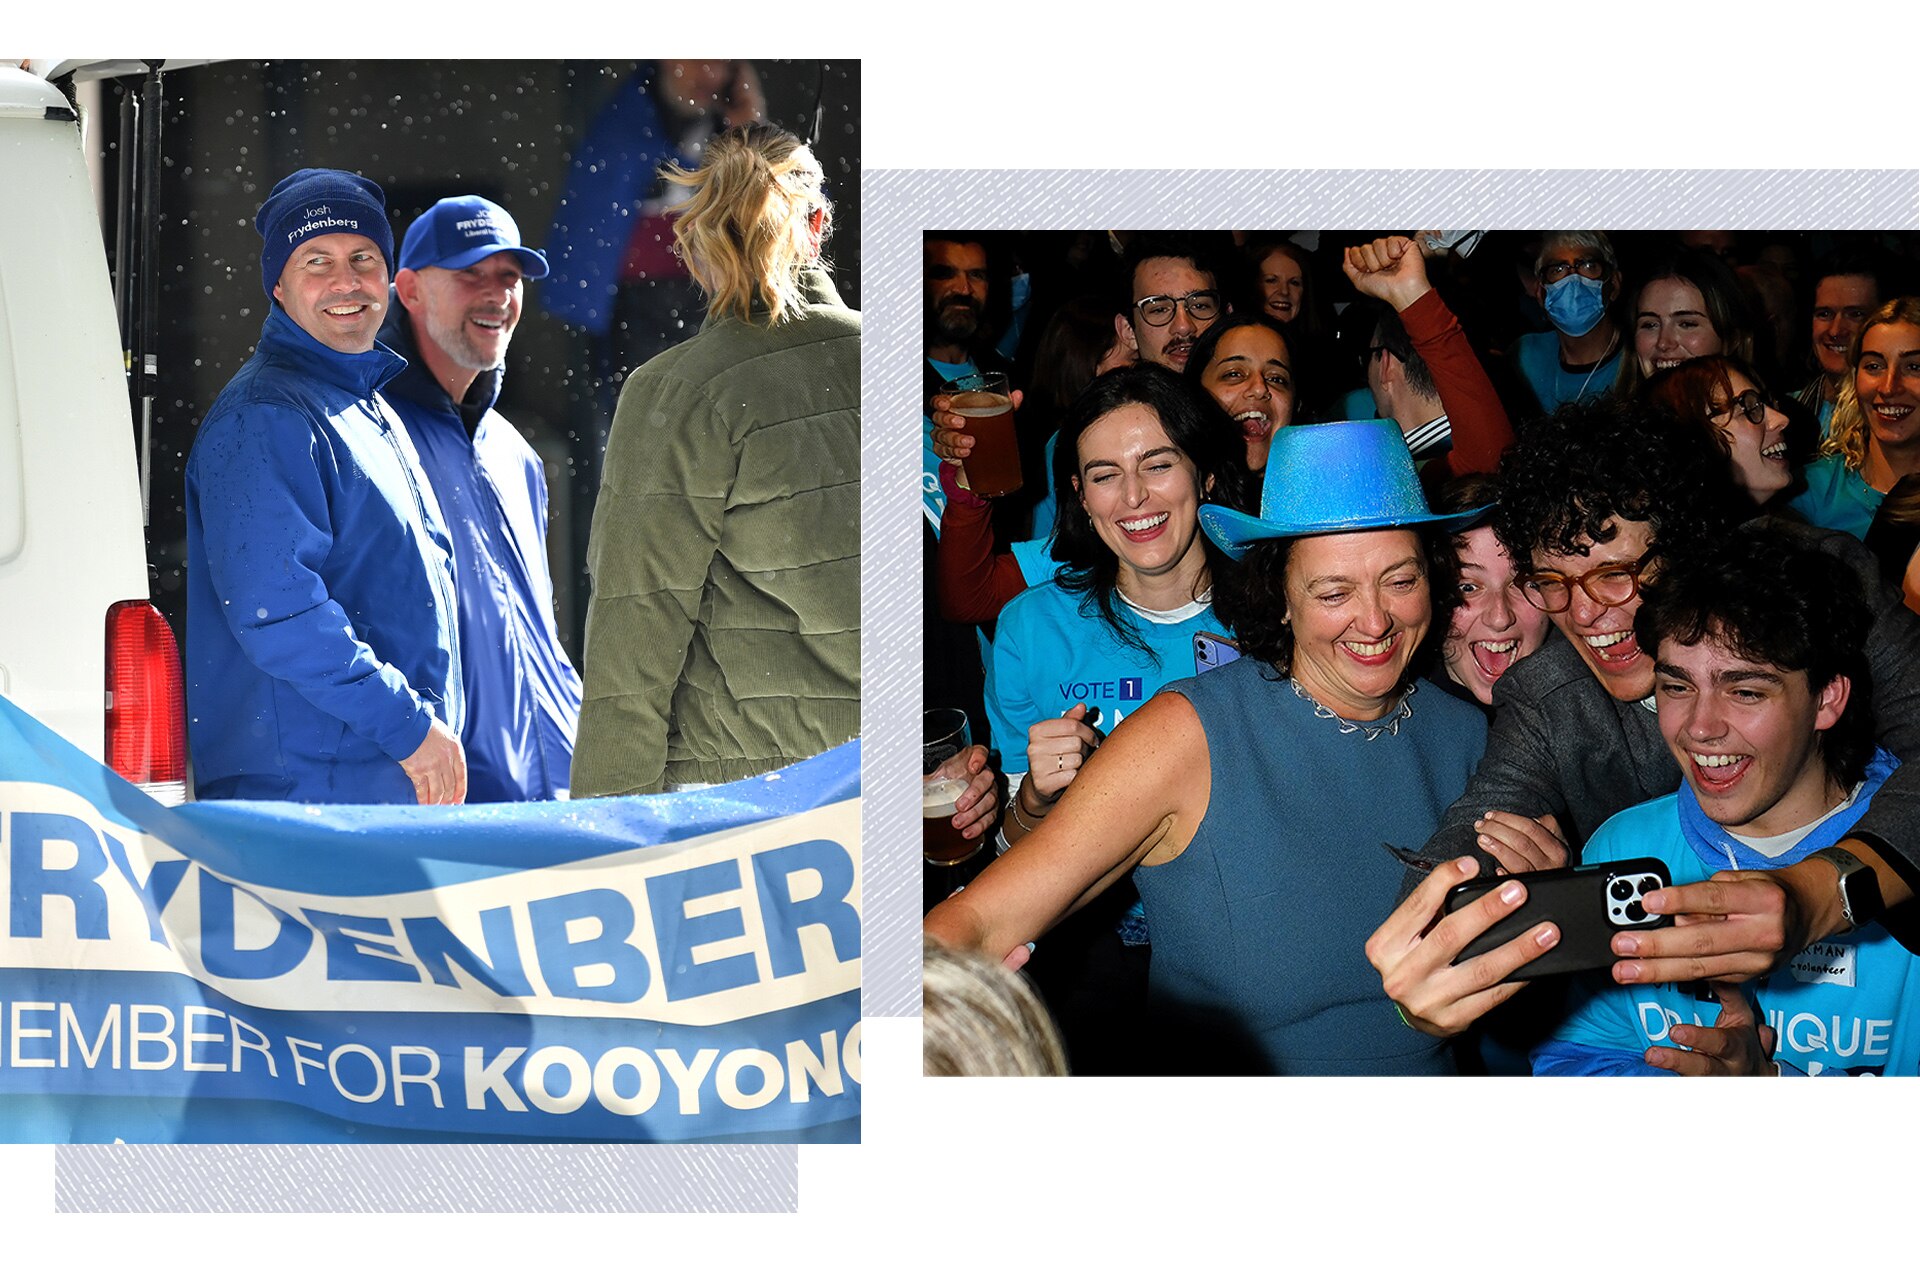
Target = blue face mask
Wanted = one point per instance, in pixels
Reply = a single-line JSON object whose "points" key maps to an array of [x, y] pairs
{"points": [[1575, 304]]}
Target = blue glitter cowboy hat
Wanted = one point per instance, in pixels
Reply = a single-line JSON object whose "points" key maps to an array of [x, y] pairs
{"points": [[1331, 477]]}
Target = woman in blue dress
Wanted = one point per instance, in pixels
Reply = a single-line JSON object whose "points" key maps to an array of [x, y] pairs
{"points": [[1259, 806]]}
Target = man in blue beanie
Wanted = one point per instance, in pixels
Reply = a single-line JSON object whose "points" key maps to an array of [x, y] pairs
{"points": [[322, 647], [459, 291]]}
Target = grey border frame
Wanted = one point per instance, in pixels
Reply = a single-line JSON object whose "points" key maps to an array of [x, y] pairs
{"points": [[460, 1178]]}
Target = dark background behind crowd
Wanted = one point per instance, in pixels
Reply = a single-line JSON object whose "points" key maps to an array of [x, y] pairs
{"points": [[1486, 288]]}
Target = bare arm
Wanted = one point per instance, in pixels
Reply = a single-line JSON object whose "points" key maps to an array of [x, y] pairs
{"points": [[1743, 924], [1415, 947], [1139, 798]]}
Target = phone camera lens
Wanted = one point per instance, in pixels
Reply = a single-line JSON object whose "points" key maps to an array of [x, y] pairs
{"points": [[1636, 912], [1621, 890], [1649, 883]]}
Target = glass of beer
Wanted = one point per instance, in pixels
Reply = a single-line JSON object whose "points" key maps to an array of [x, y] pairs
{"points": [[993, 468], [943, 781]]}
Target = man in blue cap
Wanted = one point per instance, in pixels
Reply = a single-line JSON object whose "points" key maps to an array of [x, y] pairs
{"points": [[322, 654], [462, 269]]}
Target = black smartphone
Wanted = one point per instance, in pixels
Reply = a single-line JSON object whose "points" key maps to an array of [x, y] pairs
{"points": [[1590, 904], [1210, 651]]}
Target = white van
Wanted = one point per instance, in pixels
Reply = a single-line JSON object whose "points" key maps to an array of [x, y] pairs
{"points": [[81, 647]]}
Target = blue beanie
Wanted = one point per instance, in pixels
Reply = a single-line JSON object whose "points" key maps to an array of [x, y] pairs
{"points": [[319, 202]]}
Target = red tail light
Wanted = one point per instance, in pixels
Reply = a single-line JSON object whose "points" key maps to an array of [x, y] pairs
{"points": [[146, 714]]}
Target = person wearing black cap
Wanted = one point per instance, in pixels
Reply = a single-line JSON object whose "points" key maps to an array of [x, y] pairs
{"points": [[459, 287], [323, 658]]}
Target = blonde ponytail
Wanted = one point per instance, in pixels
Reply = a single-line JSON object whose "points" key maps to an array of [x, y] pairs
{"points": [[745, 235]]}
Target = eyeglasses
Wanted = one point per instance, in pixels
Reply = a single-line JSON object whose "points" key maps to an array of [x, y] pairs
{"points": [[1157, 309], [1748, 402], [1591, 268], [1609, 585]]}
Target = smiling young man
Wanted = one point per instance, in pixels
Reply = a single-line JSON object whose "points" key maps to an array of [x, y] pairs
{"points": [[459, 290], [1759, 678], [1845, 293], [1590, 497], [1174, 300], [322, 653]]}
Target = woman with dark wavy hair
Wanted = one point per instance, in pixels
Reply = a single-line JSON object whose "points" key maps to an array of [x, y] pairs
{"points": [[975, 582], [1138, 452], [1128, 609], [1244, 364], [1257, 807]]}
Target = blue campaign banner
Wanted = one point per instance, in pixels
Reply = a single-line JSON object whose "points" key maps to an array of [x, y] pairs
{"points": [[680, 968]]}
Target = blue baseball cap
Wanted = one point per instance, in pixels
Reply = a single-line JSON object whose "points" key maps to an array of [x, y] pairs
{"points": [[461, 230]]}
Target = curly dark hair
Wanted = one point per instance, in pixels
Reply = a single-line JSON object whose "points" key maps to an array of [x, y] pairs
{"points": [[1254, 604], [1190, 419], [1773, 599], [1570, 476]]}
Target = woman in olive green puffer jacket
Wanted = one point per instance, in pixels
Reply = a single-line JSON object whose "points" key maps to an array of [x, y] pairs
{"points": [[723, 637]]}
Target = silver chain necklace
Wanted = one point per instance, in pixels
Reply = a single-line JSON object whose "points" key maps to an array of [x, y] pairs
{"points": [[1390, 725]]}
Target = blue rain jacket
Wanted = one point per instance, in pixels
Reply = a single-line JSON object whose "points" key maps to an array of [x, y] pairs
{"points": [[523, 695], [321, 632]]}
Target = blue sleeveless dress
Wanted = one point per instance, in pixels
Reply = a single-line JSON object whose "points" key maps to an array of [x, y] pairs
{"points": [[1260, 926]]}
